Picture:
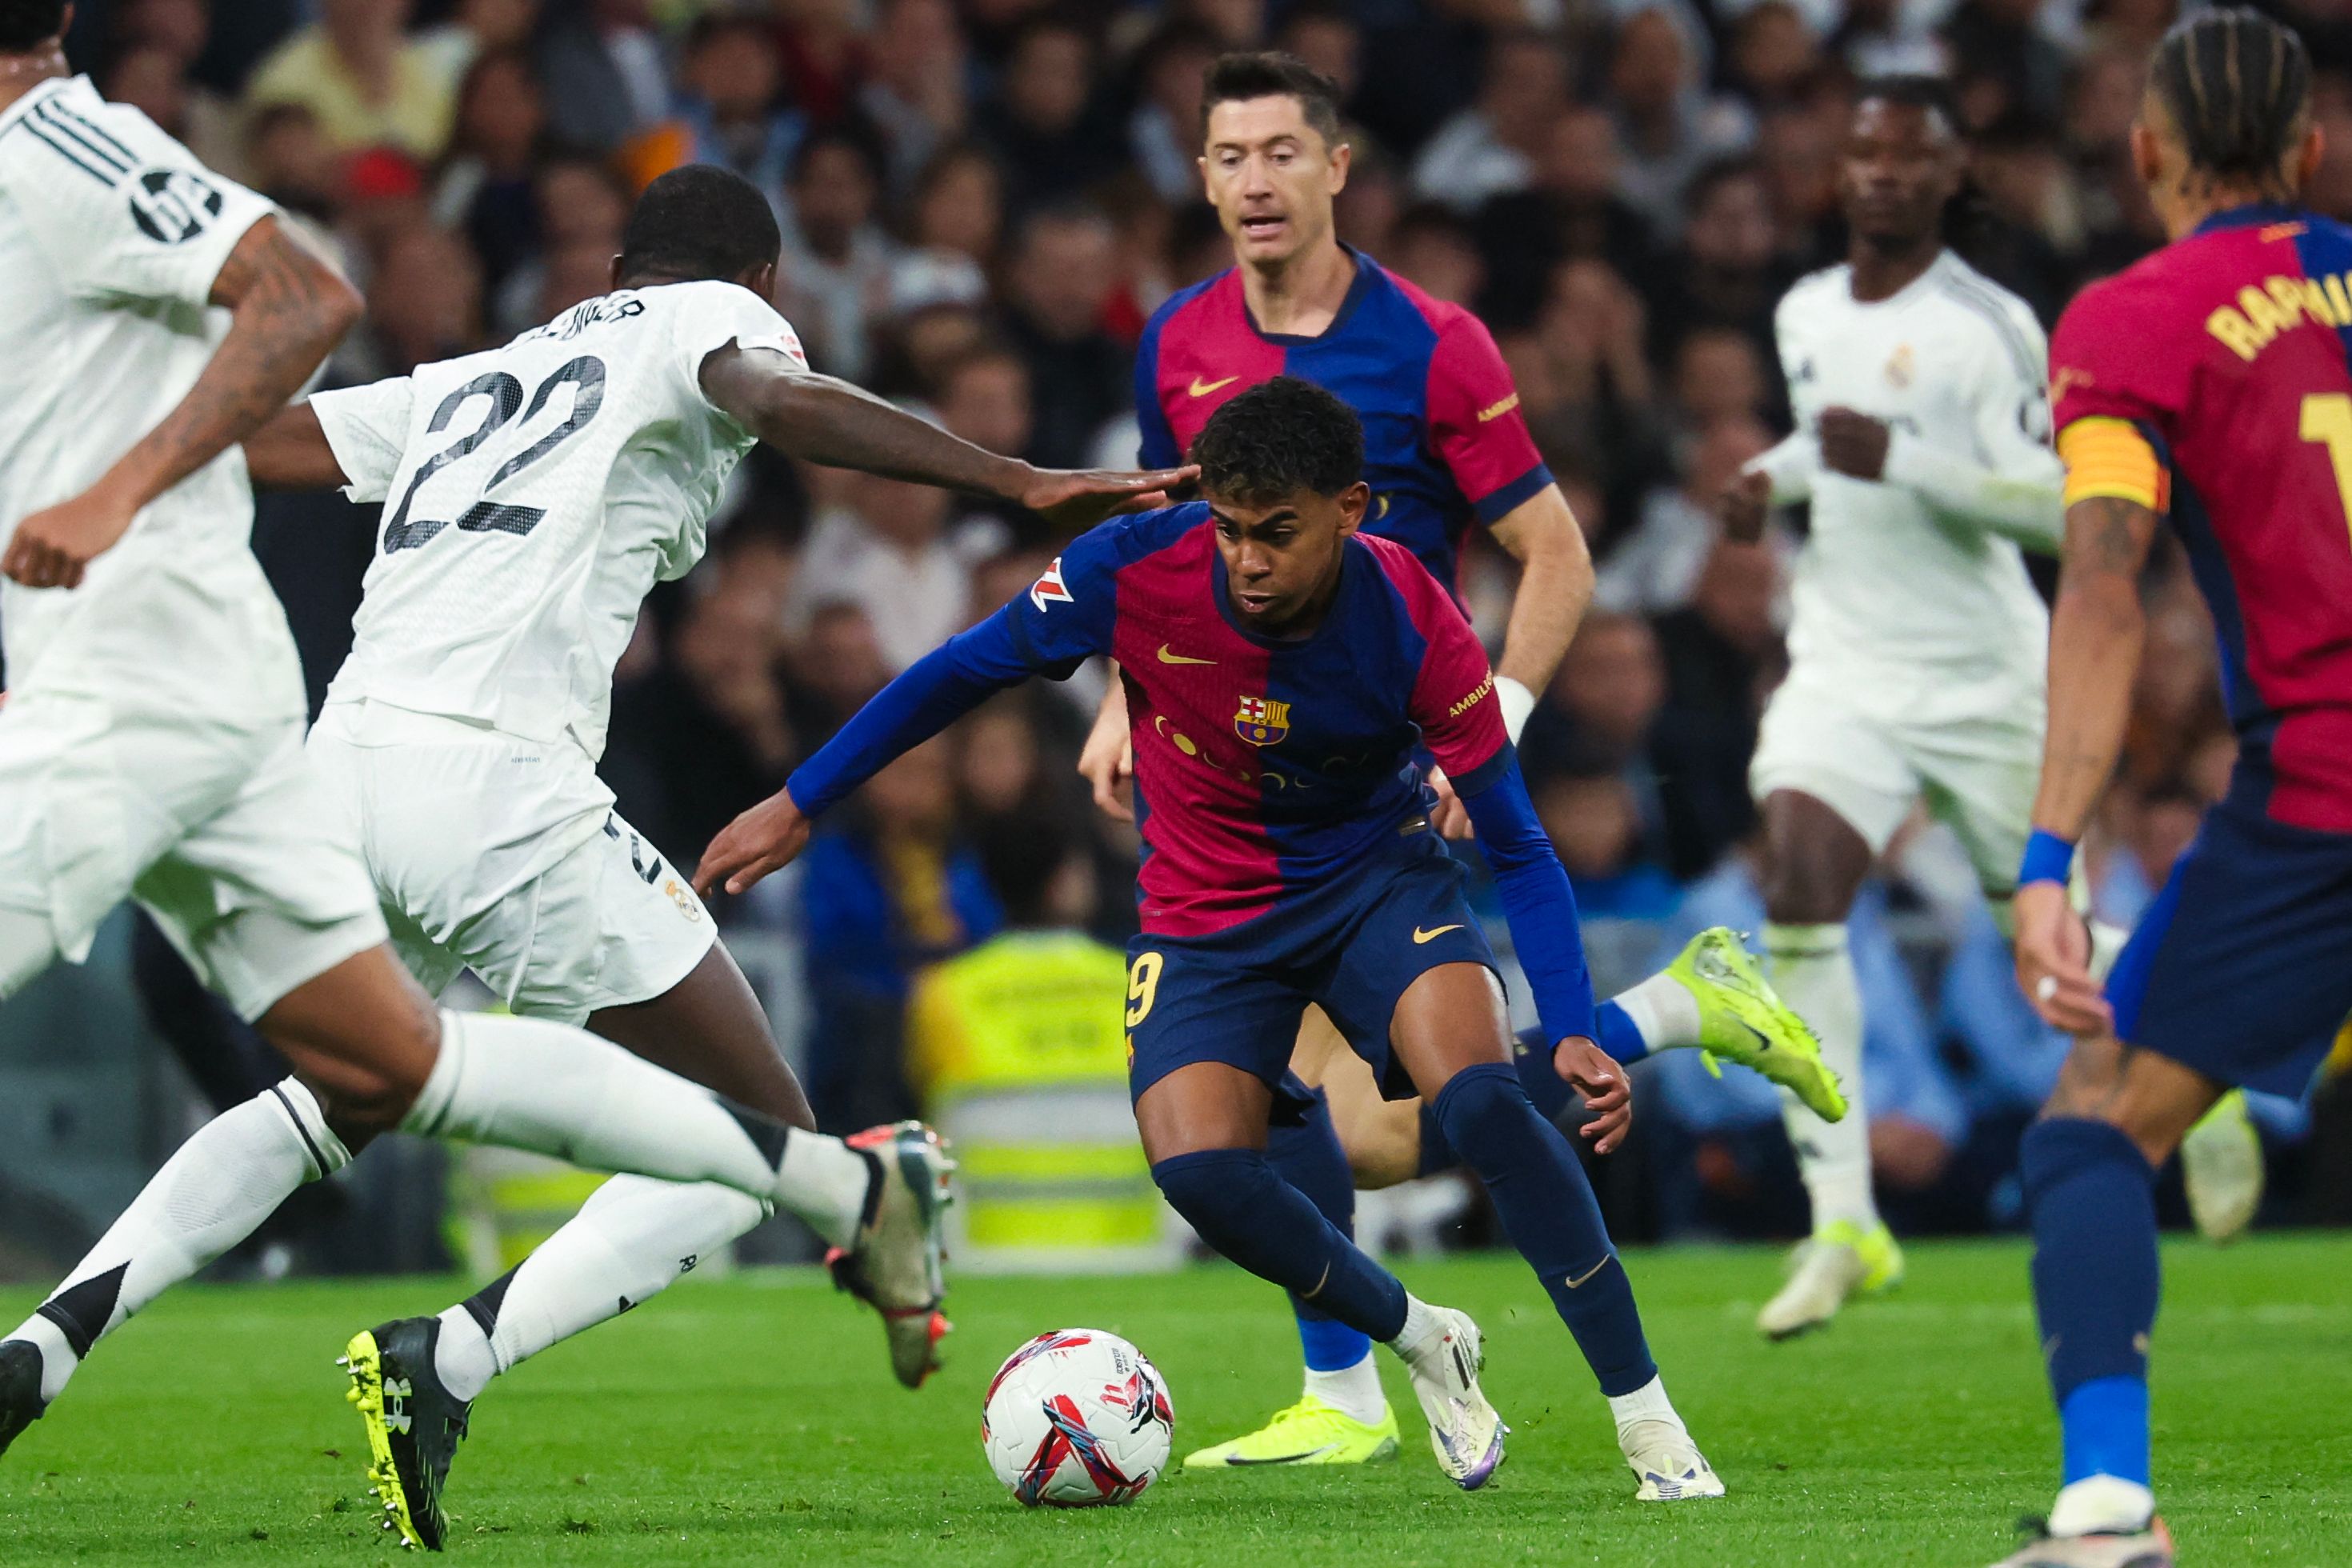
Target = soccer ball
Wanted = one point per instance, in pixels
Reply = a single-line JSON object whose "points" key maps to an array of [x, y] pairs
{"points": [[1077, 1418]]}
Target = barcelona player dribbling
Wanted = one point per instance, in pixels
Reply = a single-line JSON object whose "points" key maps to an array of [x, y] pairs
{"points": [[1445, 447], [2209, 385], [1289, 861]]}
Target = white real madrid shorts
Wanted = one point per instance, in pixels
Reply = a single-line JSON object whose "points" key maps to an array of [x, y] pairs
{"points": [[504, 856], [217, 824], [1971, 752]]}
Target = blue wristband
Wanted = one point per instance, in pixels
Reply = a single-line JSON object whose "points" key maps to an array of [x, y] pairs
{"points": [[2048, 858]]}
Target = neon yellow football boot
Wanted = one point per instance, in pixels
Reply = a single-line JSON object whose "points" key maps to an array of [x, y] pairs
{"points": [[1309, 1433], [1742, 1019]]}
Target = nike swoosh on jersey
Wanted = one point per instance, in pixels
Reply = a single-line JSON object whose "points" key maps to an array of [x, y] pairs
{"points": [[1421, 936], [1167, 658], [1580, 1279], [1202, 388]]}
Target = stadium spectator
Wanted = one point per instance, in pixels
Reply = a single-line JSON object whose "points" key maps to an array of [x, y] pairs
{"points": [[838, 262], [728, 111], [1046, 123], [1060, 280], [369, 82], [915, 87], [1491, 147]]}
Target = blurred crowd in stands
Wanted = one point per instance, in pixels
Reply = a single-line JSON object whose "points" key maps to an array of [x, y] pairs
{"points": [[982, 200]]}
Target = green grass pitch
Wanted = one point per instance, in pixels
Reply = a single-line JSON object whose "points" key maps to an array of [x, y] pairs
{"points": [[753, 1420]]}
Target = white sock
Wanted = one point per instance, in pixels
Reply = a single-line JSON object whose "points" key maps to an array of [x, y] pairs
{"points": [[1354, 1391], [525, 1083], [2103, 1505], [824, 1181], [1662, 1011], [211, 1194], [1420, 1323], [1647, 1402], [632, 1239], [1811, 968]]}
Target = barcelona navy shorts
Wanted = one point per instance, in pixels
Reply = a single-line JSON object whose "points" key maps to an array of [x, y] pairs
{"points": [[1352, 949], [2241, 967]]}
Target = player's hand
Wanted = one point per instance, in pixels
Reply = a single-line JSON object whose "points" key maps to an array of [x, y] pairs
{"points": [[1743, 505], [1074, 498], [2053, 961], [1449, 816], [54, 546], [1854, 444], [1608, 1094], [765, 838], [1106, 762]]}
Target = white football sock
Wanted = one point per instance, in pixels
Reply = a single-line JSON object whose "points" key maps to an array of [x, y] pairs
{"points": [[1811, 968], [1354, 1391], [2103, 1505], [1420, 1323], [211, 1194], [1647, 1402], [553, 1090], [824, 1183], [631, 1240], [1662, 1011]]}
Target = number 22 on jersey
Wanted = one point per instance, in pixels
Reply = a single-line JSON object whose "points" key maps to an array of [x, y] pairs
{"points": [[502, 400]]}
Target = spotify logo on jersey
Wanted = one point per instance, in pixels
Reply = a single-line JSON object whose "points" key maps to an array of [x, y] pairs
{"points": [[173, 206]]}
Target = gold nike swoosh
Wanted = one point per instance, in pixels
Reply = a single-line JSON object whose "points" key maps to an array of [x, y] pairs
{"points": [[1419, 936], [1587, 1274], [1167, 658], [1202, 388]]}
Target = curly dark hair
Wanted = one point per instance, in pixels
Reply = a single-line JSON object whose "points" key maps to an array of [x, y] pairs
{"points": [[1278, 438], [24, 23]]}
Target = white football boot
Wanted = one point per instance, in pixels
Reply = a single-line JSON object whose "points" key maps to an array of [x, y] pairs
{"points": [[1838, 1260], [2221, 1165], [1671, 1466], [2149, 1548], [1464, 1431]]}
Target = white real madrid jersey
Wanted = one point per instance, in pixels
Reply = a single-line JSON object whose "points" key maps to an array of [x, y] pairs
{"points": [[1920, 567], [532, 494], [111, 236]]}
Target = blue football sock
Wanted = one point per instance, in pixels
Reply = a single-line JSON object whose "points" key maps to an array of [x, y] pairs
{"points": [[1239, 1206], [1549, 1094], [1309, 1156], [1620, 1036], [2095, 1280], [1548, 1211]]}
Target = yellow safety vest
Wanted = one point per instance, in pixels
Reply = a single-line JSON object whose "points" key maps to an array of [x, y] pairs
{"points": [[1020, 1051]]}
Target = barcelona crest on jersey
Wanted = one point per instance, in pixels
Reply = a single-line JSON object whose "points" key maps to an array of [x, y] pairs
{"points": [[1262, 721]]}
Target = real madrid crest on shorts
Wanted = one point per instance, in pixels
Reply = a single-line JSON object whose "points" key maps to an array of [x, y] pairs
{"points": [[1262, 721]]}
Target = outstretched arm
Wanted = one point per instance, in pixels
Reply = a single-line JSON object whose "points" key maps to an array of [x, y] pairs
{"points": [[823, 420], [289, 307]]}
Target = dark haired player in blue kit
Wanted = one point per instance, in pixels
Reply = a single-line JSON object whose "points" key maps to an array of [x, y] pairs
{"points": [[1289, 861], [1445, 449]]}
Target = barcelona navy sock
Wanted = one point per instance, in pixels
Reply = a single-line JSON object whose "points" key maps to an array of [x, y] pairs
{"points": [[1309, 1156], [1550, 1092], [1548, 1211], [1239, 1206], [2092, 1197]]}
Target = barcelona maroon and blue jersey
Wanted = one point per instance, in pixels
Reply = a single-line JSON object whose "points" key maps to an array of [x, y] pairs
{"points": [[2226, 353], [1271, 775], [1444, 441]]}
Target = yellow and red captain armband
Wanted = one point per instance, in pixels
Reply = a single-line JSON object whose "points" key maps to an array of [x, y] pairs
{"points": [[2108, 456]]}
